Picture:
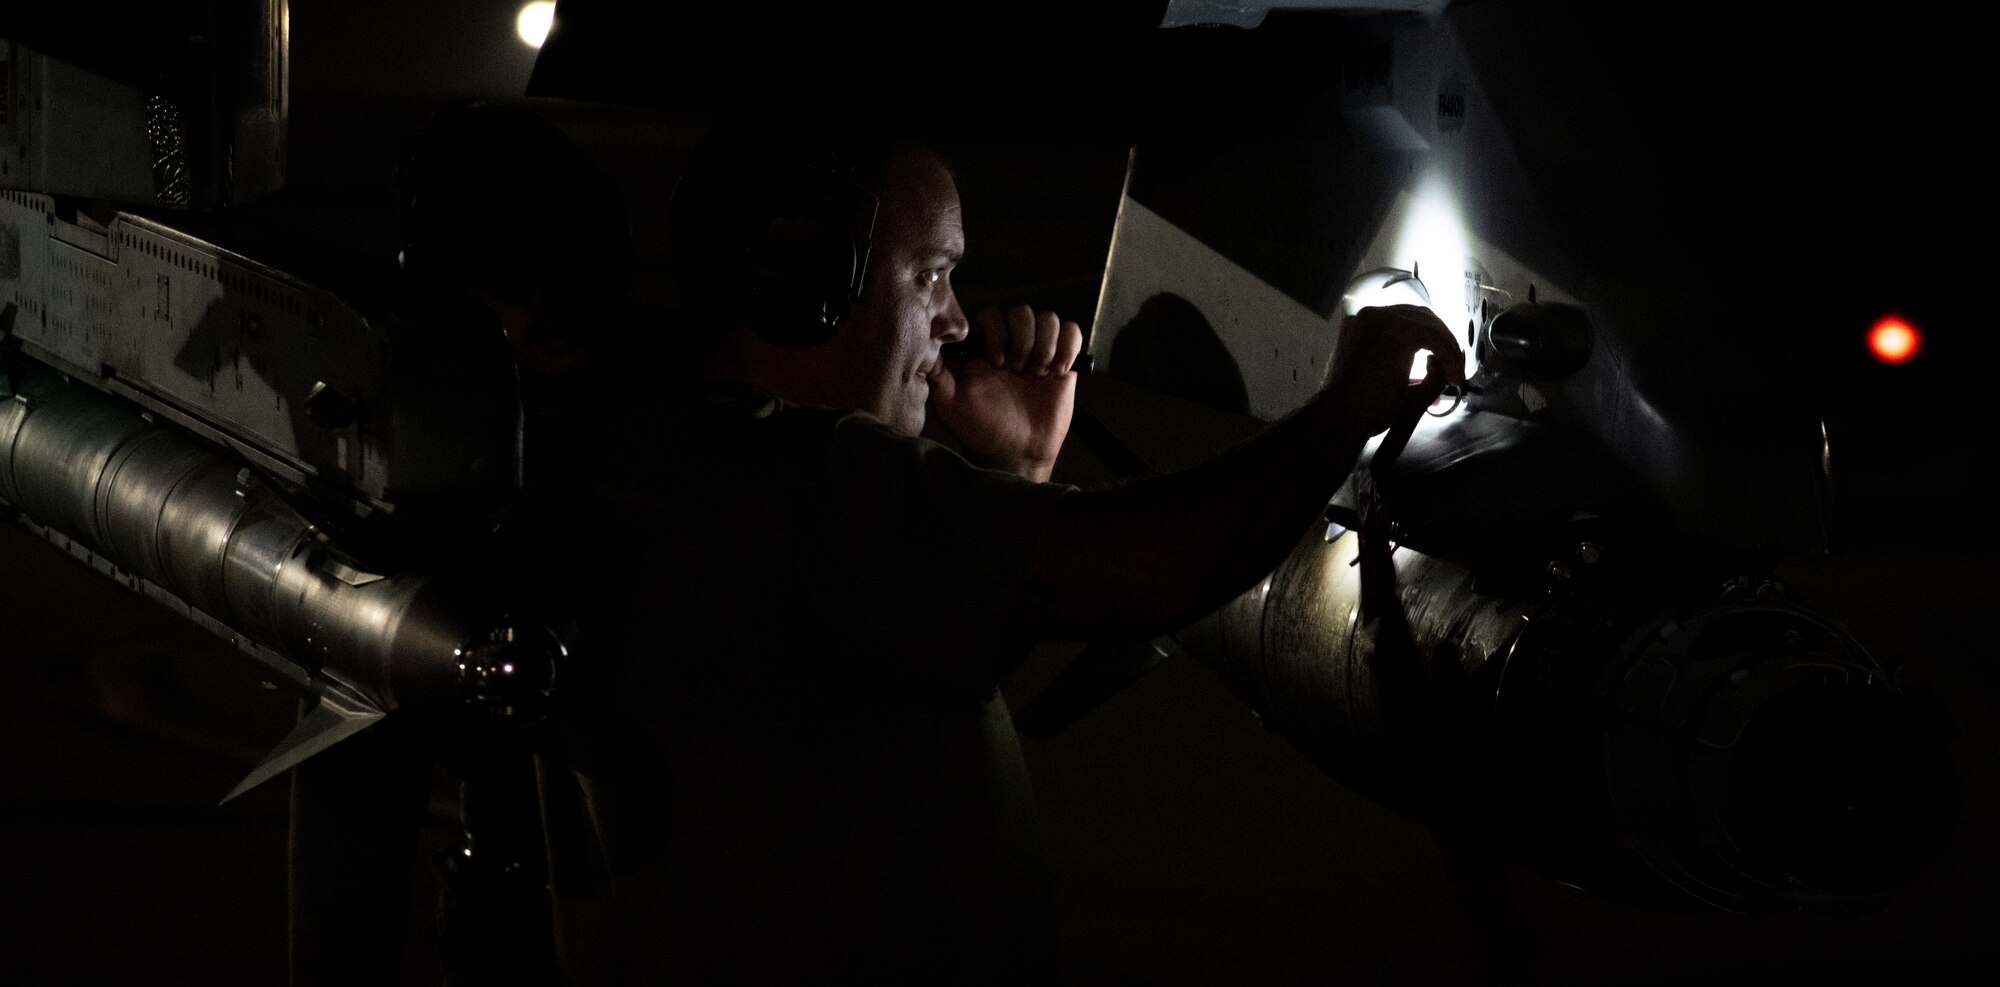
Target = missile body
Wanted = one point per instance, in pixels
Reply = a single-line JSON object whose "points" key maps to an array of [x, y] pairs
{"points": [[210, 537], [206, 536], [1630, 716], [314, 475]]}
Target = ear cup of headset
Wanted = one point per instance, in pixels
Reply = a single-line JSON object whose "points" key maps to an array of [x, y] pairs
{"points": [[805, 268]]}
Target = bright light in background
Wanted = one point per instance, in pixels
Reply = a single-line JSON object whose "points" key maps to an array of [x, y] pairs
{"points": [[1433, 243], [533, 22], [1894, 340]]}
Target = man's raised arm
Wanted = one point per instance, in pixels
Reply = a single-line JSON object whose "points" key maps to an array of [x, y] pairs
{"points": [[1155, 555]]}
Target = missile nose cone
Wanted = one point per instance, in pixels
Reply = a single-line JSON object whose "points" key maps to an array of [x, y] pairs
{"points": [[509, 672]]}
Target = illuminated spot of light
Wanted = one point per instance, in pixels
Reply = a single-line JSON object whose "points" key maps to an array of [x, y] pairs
{"points": [[1894, 340], [532, 24], [1432, 241]]}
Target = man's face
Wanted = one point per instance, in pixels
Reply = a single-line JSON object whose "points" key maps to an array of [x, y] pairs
{"points": [[888, 349]]}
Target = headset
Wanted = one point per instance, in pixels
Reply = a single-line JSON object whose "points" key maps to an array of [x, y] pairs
{"points": [[806, 260]]}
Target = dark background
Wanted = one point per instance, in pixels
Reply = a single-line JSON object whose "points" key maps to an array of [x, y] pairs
{"points": [[1831, 156]]}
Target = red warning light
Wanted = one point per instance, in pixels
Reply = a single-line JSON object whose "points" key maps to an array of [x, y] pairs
{"points": [[1893, 340]]}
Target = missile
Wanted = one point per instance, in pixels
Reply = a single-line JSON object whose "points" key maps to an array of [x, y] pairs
{"points": [[1490, 635], [1497, 635], [317, 481], [1602, 716]]}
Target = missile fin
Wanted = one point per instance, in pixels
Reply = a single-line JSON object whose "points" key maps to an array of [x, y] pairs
{"points": [[338, 716]]}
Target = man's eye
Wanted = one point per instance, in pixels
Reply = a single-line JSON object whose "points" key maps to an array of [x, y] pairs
{"points": [[932, 276]]}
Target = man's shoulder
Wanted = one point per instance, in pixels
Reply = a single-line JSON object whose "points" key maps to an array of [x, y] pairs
{"points": [[731, 412], [733, 405]]}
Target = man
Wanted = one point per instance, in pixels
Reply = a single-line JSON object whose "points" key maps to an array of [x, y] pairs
{"points": [[833, 600]]}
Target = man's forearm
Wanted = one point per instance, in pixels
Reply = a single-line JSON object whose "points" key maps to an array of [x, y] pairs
{"points": [[1155, 555]]}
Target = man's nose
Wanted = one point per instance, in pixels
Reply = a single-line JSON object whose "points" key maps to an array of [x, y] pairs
{"points": [[949, 325]]}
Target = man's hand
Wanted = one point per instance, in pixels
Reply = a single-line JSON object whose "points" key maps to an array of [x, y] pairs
{"points": [[1011, 409], [1369, 380]]}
